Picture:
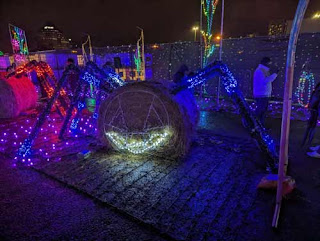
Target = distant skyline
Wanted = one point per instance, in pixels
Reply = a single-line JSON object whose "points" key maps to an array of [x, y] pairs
{"points": [[114, 22]]}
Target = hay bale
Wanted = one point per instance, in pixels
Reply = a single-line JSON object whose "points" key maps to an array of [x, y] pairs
{"points": [[140, 111], [16, 95]]}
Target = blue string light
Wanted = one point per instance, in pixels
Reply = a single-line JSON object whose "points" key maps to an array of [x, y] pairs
{"points": [[230, 84]]}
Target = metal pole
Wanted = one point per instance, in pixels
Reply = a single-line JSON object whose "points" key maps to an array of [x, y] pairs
{"points": [[220, 49], [287, 99], [200, 29], [143, 57], [90, 49]]}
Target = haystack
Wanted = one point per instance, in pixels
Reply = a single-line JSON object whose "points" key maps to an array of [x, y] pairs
{"points": [[146, 112], [16, 95]]}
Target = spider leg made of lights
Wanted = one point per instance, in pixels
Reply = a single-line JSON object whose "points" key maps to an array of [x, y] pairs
{"points": [[46, 81], [253, 125], [25, 148], [92, 76]]}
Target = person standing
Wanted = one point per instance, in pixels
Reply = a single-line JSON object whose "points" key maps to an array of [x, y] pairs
{"points": [[180, 74], [262, 87]]}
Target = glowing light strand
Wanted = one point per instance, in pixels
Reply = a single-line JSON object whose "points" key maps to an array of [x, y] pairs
{"points": [[209, 8], [256, 129], [141, 142], [305, 78]]}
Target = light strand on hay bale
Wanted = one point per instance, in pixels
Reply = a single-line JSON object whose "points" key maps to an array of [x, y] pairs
{"points": [[150, 141], [144, 118]]}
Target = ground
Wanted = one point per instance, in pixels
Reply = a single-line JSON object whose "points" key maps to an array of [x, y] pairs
{"points": [[210, 194]]}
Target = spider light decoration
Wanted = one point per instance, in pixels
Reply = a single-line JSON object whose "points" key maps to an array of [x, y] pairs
{"points": [[45, 82], [152, 117], [256, 129], [98, 81]]}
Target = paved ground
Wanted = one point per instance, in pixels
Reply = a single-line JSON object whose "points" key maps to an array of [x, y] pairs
{"points": [[209, 195]]}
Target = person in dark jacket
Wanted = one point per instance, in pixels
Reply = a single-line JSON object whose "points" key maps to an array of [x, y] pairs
{"points": [[72, 81], [313, 106], [181, 73]]}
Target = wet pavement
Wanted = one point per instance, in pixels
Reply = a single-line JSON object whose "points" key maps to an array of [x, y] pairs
{"points": [[209, 195]]}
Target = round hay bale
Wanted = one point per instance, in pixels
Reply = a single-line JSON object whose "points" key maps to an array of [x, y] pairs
{"points": [[16, 95], [144, 117]]}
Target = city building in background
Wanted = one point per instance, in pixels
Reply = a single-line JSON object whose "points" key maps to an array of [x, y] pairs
{"points": [[277, 28], [51, 38], [309, 25], [283, 27]]}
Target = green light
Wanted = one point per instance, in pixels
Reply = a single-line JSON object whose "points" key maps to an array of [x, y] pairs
{"points": [[91, 104], [209, 8]]}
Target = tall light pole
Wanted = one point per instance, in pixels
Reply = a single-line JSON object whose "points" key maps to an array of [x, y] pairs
{"points": [[195, 29], [220, 50]]}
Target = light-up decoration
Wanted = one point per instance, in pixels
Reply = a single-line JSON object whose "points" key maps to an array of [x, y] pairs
{"points": [[90, 79], [95, 79], [47, 80], [25, 147], [256, 129], [116, 79], [139, 58], [203, 75], [140, 142], [306, 78], [209, 8], [19, 43]]}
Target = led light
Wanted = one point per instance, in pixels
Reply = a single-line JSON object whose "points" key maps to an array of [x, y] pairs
{"points": [[305, 78], [141, 142]]}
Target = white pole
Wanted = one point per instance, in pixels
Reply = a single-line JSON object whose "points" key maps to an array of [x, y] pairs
{"points": [[220, 50], [90, 49], [201, 57], [143, 57], [287, 99]]}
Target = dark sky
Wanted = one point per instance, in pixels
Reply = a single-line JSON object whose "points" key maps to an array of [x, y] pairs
{"points": [[113, 22]]}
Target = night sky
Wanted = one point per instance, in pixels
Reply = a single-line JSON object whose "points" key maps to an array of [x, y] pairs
{"points": [[114, 22]]}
